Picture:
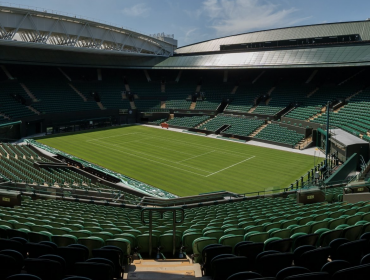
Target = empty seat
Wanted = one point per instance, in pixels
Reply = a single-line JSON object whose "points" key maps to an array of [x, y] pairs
{"points": [[360, 272], [222, 268], [289, 271], [94, 271], [334, 266], [315, 259], [269, 265]]}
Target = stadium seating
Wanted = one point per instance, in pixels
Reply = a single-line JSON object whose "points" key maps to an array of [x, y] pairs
{"points": [[276, 133], [353, 117], [263, 221], [188, 122], [239, 125], [17, 165]]}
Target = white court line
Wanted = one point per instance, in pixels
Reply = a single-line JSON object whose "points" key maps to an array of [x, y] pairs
{"points": [[156, 146], [230, 166], [96, 139], [221, 151], [175, 162], [151, 160], [196, 156]]}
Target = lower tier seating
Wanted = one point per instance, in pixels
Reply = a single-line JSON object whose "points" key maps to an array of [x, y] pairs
{"points": [[239, 125], [188, 122], [280, 134], [246, 230]]}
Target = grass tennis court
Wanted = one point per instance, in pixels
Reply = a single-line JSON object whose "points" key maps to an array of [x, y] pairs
{"points": [[184, 164]]}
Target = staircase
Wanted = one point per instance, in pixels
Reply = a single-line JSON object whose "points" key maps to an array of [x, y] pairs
{"points": [[192, 105], [4, 116], [33, 110], [353, 95], [350, 78], [163, 104], [304, 143], [312, 76], [29, 93], [203, 123], [171, 269], [270, 91], [254, 133], [132, 104], [101, 106], [10, 77], [234, 89], [251, 110], [323, 110], [312, 92], [79, 93], [64, 74]]}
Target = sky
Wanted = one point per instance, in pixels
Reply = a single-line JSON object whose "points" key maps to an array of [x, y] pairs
{"points": [[193, 21]]}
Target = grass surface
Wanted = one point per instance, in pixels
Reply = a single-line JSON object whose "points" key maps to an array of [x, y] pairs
{"points": [[184, 164]]}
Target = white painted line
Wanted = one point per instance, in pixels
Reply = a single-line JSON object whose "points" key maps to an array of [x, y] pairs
{"points": [[157, 157], [95, 139], [196, 156], [221, 151], [151, 160], [230, 166]]}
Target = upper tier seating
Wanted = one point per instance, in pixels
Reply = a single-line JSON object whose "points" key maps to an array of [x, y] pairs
{"points": [[277, 133], [8, 105]]}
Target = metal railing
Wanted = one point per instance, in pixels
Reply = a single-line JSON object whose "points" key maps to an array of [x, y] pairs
{"points": [[162, 211]]}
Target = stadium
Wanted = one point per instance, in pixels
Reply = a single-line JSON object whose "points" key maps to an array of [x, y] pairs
{"points": [[124, 156]]}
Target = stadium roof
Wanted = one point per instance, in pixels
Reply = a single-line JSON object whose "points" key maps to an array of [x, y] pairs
{"points": [[319, 30], [67, 31]]}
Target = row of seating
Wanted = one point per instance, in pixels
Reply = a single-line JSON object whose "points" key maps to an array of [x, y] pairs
{"points": [[339, 259], [238, 125], [188, 122], [47, 261], [276, 133]]}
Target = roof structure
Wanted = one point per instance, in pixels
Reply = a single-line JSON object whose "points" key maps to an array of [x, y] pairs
{"points": [[44, 28], [290, 33], [345, 137]]}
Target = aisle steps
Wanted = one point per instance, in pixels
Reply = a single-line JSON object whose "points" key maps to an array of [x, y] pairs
{"points": [[170, 269]]}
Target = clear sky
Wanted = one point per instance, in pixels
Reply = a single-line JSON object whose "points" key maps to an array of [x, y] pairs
{"points": [[192, 21]]}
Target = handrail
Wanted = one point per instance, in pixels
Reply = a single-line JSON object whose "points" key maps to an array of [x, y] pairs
{"points": [[161, 211]]}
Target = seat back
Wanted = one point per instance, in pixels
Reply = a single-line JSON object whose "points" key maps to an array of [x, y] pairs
{"points": [[223, 268], [45, 269], [351, 251], [94, 271], [334, 266], [114, 256], [36, 250], [315, 259], [269, 265], [289, 271], [360, 272], [8, 266], [309, 276], [211, 253]]}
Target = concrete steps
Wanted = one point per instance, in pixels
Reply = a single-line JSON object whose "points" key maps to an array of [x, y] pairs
{"points": [[350, 78], [78, 92], [101, 106], [33, 110], [132, 104], [29, 93], [10, 77], [353, 95], [254, 133], [312, 92], [252, 109], [323, 110], [170, 269]]}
